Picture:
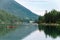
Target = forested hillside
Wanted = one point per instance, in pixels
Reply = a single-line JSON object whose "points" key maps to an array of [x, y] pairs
{"points": [[6, 17]]}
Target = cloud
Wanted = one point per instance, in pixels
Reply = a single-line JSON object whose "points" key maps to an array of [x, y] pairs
{"points": [[39, 6], [57, 3]]}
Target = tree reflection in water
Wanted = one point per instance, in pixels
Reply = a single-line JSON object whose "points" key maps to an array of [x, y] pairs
{"points": [[53, 31], [5, 28]]}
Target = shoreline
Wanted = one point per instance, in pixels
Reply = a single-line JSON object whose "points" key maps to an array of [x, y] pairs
{"points": [[49, 24]]}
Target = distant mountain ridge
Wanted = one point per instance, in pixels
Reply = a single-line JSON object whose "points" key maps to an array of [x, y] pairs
{"points": [[13, 7]]}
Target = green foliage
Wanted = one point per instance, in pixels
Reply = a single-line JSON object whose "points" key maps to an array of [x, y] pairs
{"points": [[7, 20], [51, 17], [40, 19], [7, 17]]}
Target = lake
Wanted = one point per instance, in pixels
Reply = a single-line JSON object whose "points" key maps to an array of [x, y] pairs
{"points": [[28, 31]]}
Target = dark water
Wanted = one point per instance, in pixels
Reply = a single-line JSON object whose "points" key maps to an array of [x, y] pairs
{"points": [[51, 31], [45, 33], [19, 32], [28, 31]]}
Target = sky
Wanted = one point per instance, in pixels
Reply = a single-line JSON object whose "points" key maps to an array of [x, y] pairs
{"points": [[39, 6]]}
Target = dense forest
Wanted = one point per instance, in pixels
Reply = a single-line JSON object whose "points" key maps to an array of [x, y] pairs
{"points": [[8, 22], [7, 18], [52, 16]]}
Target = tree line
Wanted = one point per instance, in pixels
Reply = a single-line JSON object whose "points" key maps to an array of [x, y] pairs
{"points": [[52, 16]]}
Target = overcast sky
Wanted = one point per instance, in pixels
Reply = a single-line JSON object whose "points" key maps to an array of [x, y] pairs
{"points": [[39, 6]]}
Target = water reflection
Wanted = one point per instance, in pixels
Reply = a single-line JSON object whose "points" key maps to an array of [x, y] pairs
{"points": [[6, 28], [53, 31], [19, 32]]}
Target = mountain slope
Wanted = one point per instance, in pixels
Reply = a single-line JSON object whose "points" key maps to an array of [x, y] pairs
{"points": [[5, 17], [17, 9]]}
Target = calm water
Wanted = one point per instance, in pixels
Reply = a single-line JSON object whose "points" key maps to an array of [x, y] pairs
{"points": [[32, 32]]}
